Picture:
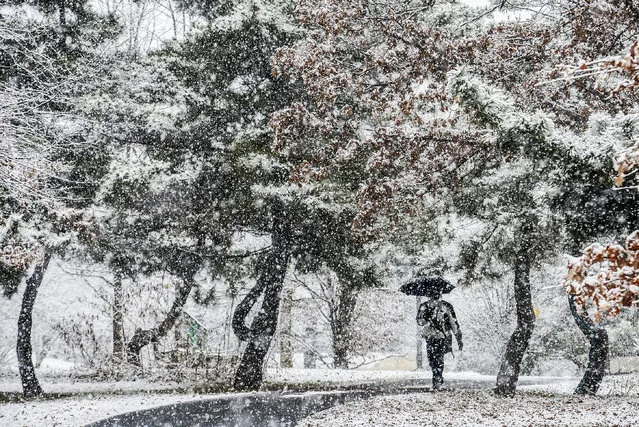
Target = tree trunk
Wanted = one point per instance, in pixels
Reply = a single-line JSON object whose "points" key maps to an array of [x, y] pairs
{"points": [[142, 338], [62, 13], [286, 345], [518, 343], [118, 319], [250, 373], [341, 325], [598, 354], [419, 341], [30, 385]]}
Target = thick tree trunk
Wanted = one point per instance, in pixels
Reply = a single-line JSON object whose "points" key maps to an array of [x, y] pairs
{"points": [[598, 354], [30, 385], [518, 343], [341, 326], [249, 373], [118, 319], [142, 338], [286, 345]]}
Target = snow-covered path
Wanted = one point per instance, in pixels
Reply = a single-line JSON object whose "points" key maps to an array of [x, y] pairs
{"points": [[479, 407]]}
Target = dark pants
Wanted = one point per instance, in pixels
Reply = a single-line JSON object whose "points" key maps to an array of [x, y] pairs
{"points": [[435, 350]]}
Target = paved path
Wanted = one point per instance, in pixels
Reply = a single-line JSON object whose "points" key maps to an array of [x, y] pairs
{"points": [[278, 408]]}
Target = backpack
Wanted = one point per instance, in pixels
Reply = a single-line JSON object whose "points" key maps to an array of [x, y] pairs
{"points": [[435, 320]]}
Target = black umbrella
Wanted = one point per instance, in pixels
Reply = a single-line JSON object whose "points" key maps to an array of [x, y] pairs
{"points": [[430, 286]]}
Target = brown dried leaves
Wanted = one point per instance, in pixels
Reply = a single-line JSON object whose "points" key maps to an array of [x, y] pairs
{"points": [[606, 275]]}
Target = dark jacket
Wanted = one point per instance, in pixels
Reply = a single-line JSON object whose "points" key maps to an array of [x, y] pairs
{"points": [[439, 321]]}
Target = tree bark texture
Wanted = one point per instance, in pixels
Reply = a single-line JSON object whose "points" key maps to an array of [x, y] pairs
{"points": [[142, 338], [118, 319], [419, 341], [598, 354], [519, 340], [341, 318], [24, 350], [286, 345], [259, 335]]}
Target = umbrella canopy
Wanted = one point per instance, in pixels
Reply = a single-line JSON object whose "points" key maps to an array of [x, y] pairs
{"points": [[429, 286]]}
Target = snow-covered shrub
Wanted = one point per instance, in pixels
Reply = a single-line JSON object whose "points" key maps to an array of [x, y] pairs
{"points": [[88, 348], [487, 319], [624, 335], [378, 323]]}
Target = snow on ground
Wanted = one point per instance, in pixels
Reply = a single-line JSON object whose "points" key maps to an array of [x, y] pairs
{"points": [[612, 385], [97, 400], [69, 385], [479, 407], [80, 410], [358, 376], [304, 377], [349, 377]]}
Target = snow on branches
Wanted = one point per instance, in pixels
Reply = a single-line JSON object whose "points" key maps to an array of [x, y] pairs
{"points": [[378, 113], [25, 150], [16, 256], [625, 164], [37, 125], [608, 276], [619, 72]]}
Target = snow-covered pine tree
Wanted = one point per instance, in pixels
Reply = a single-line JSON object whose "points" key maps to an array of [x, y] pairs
{"points": [[228, 65], [44, 71], [537, 165]]}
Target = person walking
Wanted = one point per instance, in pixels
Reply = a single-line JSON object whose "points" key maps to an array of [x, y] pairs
{"points": [[439, 322]]}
